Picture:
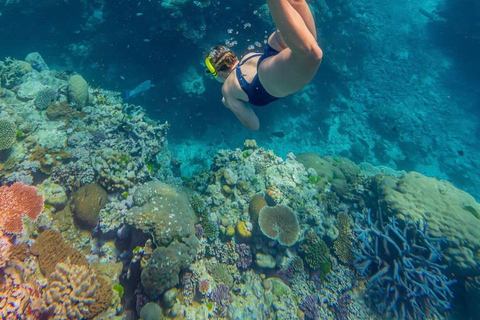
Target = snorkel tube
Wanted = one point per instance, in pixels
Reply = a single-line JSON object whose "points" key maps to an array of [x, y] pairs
{"points": [[210, 67]]}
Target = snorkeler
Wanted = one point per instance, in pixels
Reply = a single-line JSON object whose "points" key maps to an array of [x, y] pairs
{"points": [[290, 61]]}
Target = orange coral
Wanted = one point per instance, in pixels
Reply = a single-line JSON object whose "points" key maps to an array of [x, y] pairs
{"points": [[15, 202], [52, 249]]}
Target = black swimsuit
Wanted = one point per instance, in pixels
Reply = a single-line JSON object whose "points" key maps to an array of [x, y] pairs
{"points": [[257, 95]]}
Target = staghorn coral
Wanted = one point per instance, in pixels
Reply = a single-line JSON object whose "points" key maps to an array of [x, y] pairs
{"points": [[51, 249], [76, 292], [17, 201], [279, 223], [405, 280], [8, 132]]}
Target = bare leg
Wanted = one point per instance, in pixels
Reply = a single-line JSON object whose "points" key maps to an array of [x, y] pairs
{"points": [[276, 39], [297, 63], [295, 22]]}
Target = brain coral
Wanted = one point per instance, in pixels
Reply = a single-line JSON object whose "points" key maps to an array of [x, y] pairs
{"points": [[78, 91], [8, 132], [451, 214], [279, 223], [87, 203], [76, 292]]}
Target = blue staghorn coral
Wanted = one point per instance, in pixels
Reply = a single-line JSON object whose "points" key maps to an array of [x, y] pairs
{"points": [[400, 260]]}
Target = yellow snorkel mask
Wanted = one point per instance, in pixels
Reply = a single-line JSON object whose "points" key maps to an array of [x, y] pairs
{"points": [[210, 67]]}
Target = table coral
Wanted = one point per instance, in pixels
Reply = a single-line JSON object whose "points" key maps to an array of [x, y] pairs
{"points": [[279, 223]]}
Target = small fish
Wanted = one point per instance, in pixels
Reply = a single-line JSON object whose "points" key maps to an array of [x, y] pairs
{"points": [[139, 14], [141, 88], [278, 134], [146, 40]]}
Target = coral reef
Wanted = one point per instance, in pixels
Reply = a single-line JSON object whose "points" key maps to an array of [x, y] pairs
{"points": [[8, 132], [163, 270], [316, 253], [279, 223], [344, 244], [19, 293], [163, 210], [76, 292], [452, 214], [17, 201], [87, 203], [51, 249], [44, 98], [405, 279]]}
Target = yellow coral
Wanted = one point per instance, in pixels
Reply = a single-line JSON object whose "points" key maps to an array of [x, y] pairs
{"points": [[243, 231]]}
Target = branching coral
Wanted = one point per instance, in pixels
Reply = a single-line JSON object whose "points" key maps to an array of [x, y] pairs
{"points": [[401, 261]]}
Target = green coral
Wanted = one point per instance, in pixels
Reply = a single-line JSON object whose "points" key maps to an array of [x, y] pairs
{"points": [[315, 252], [8, 132], [118, 288], [197, 202], [210, 229], [221, 273]]}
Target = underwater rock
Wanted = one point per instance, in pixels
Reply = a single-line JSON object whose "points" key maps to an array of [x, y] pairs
{"points": [[151, 311], [36, 61], [162, 272], [87, 203], [29, 90], [450, 213], [78, 91], [326, 171], [265, 261], [53, 193]]}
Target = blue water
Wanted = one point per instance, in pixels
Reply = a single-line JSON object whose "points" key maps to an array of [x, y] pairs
{"points": [[377, 55], [399, 83]]}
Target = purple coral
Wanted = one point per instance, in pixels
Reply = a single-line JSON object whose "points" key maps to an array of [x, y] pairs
{"points": [[221, 298], [309, 305], [244, 256], [405, 280]]}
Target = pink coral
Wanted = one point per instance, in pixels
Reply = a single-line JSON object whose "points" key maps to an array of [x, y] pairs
{"points": [[15, 202]]}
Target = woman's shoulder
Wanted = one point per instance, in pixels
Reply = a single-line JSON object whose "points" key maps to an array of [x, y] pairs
{"points": [[250, 56]]}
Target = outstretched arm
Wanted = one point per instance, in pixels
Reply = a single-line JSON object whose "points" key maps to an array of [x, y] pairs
{"points": [[243, 112]]}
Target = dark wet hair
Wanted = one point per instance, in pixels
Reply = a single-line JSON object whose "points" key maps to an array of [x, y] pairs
{"points": [[222, 57]]}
